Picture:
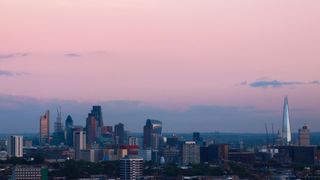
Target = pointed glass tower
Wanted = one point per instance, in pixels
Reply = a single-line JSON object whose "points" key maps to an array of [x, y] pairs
{"points": [[286, 130]]}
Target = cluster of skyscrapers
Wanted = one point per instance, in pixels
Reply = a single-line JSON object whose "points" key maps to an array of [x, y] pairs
{"points": [[99, 142]]}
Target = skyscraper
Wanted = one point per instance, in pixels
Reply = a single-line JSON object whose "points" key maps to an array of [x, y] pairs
{"points": [[304, 136], [15, 146], [44, 128], [79, 143], [152, 131], [286, 129], [97, 113], [68, 129], [190, 153], [58, 135], [119, 134], [131, 167], [91, 126], [58, 126]]}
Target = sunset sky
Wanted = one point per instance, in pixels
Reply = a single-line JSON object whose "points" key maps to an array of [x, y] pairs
{"points": [[218, 64]]}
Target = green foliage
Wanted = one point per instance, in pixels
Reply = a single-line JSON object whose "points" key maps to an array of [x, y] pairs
{"points": [[80, 169]]}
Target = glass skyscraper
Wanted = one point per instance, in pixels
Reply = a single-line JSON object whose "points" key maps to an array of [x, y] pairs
{"points": [[286, 129], [44, 128], [151, 133]]}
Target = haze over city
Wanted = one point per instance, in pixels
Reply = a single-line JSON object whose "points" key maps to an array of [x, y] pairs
{"points": [[195, 65]]}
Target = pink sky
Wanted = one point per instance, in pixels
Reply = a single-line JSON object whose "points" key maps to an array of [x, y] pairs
{"points": [[172, 53]]}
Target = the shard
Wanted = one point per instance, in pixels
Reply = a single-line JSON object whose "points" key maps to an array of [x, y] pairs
{"points": [[286, 130]]}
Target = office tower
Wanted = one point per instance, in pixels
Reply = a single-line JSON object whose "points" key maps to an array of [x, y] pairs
{"points": [[131, 167], [152, 131], [15, 146], [196, 136], [44, 128], [91, 127], [79, 142], [286, 129], [119, 134], [97, 113], [58, 126], [190, 153], [304, 136], [68, 131], [171, 155], [58, 135]]}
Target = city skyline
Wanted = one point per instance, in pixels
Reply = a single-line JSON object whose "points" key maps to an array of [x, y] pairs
{"points": [[118, 108], [215, 64]]}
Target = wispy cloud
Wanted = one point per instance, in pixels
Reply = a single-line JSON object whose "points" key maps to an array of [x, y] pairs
{"points": [[6, 73], [72, 55], [278, 83], [10, 73], [13, 55], [317, 82], [274, 84]]}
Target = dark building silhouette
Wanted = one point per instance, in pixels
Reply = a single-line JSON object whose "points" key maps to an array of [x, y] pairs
{"points": [[97, 113], [173, 141], [68, 129], [305, 155], [196, 137], [119, 134], [91, 128], [214, 153], [152, 131]]}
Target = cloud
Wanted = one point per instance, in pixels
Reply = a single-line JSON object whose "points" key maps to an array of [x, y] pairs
{"points": [[13, 55], [9, 73], [316, 82], [72, 55], [277, 83], [274, 84], [243, 83], [6, 73]]}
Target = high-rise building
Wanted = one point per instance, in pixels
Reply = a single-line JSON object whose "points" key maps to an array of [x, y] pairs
{"points": [[119, 134], [304, 136], [97, 113], [44, 128], [15, 146], [171, 155], [79, 143], [196, 136], [152, 131], [58, 126], [58, 135], [91, 127], [68, 131], [131, 167], [286, 129], [190, 153]]}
